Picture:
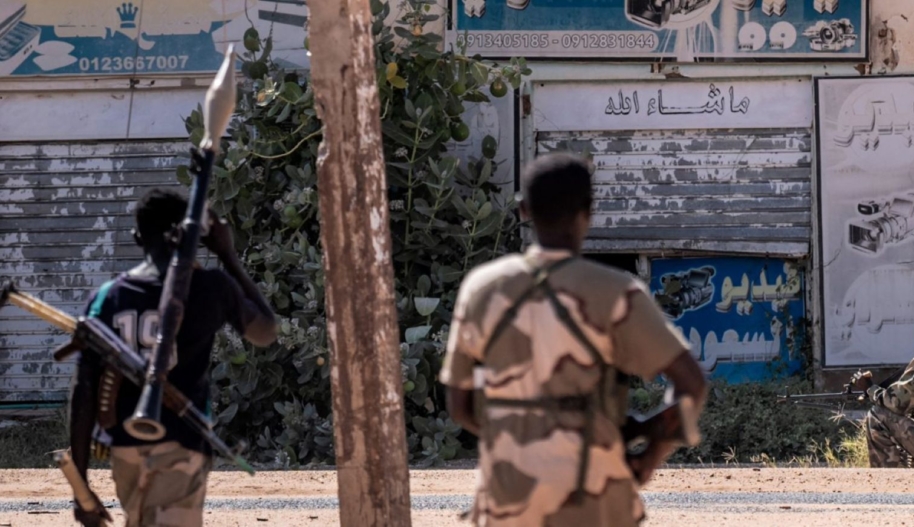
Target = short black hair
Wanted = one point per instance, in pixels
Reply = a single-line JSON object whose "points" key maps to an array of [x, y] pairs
{"points": [[157, 213], [556, 188]]}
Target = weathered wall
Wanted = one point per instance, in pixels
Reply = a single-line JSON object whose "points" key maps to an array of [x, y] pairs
{"points": [[67, 214], [892, 36]]}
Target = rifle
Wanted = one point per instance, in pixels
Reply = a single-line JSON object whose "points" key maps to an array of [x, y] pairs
{"points": [[847, 395], [91, 334], [145, 424]]}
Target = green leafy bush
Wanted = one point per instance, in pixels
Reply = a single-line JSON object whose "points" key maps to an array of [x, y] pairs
{"points": [[445, 219], [744, 423]]}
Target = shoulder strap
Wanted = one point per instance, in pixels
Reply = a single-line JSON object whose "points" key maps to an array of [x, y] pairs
{"points": [[540, 275], [96, 308]]}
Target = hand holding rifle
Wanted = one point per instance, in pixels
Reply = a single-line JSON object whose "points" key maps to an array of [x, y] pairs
{"points": [[862, 380]]}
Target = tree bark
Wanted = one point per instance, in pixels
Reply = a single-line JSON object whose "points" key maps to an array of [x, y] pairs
{"points": [[369, 426]]}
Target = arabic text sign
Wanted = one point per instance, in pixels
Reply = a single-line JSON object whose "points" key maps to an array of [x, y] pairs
{"points": [[678, 29], [107, 37], [591, 106], [866, 205], [740, 315]]}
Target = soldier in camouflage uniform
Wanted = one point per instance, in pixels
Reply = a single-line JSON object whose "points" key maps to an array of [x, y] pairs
{"points": [[889, 423], [553, 335]]}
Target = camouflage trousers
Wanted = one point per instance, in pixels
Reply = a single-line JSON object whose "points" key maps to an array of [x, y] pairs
{"points": [[889, 438], [162, 485]]}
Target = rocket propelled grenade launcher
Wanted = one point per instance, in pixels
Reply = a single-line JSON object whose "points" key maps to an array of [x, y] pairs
{"points": [[93, 335], [145, 424]]}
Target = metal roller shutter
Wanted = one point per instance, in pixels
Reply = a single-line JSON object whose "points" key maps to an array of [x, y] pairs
{"points": [[725, 191], [65, 220]]}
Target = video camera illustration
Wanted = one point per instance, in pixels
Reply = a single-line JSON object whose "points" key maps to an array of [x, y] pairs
{"points": [[684, 291], [655, 14], [892, 222], [833, 35]]}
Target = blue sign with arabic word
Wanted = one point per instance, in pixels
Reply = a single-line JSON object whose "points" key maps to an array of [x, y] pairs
{"points": [[742, 316]]}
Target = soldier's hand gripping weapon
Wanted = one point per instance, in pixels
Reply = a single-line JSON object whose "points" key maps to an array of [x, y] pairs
{"points": [[676, 423], [840, 399], [145, 424], [93, 335]]}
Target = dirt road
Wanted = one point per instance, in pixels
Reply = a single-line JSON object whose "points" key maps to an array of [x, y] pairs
{"points": [[723, 497]]}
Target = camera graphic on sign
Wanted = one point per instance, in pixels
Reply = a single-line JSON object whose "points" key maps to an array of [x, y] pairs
{"points": [[685, 291], [887, 223], [477, 8], [655, 14], [833, 35]]}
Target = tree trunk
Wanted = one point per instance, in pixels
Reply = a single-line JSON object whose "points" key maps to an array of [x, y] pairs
{"points": [[369, 426]]}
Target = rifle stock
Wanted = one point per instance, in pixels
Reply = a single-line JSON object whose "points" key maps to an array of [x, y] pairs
{"points": [[91, 334]]}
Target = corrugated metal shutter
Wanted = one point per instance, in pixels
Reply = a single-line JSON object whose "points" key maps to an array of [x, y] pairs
{"points": [[728, 191], [65, 221]]}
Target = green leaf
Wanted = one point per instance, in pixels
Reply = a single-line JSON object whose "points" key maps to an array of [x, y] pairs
{"points": [[184, 176], [426, 306], [461, 207], [448, 274], [424, 284], [284, 114], [480, 73], [410, 109], [226, 416], [484, 211], [415, 334], [398, 82]]}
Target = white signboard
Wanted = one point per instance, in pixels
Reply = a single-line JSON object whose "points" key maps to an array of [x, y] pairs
{"points": [[665, 105], [493, 118], [866, 195]]}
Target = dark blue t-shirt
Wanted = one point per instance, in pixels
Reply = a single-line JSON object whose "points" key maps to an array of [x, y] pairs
{"points": [[129, 305]]}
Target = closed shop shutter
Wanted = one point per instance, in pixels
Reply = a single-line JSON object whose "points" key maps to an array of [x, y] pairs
{"points": [[66, 214], [725, 191]]}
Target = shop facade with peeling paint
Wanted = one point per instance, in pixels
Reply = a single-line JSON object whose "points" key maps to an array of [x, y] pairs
{"points": [[92, 99], [701, 125], [722, 179]]}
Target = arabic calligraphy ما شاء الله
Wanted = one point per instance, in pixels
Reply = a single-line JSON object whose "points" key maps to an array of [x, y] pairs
{"points": [[716, 103]]}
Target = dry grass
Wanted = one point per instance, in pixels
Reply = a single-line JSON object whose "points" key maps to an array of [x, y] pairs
{"points": [[27, 444]]}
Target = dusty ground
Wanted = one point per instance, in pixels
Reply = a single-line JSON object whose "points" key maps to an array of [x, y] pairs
{"points": [[721, 497]]}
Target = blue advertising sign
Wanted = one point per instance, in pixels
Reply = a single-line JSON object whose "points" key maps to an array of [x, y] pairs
{"points": [[741, 315], [107, 37], [684, 30]]}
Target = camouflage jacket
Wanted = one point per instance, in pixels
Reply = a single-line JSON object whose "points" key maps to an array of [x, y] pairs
{"points": [[898, 397], [529, 458]]}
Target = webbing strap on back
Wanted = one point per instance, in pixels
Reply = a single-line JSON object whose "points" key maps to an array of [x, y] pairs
{"points": [[582, 403]]}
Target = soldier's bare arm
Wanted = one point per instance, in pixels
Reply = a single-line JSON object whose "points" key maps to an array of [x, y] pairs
{"points": [[256, 314], [460, 406], [688, 380]]}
